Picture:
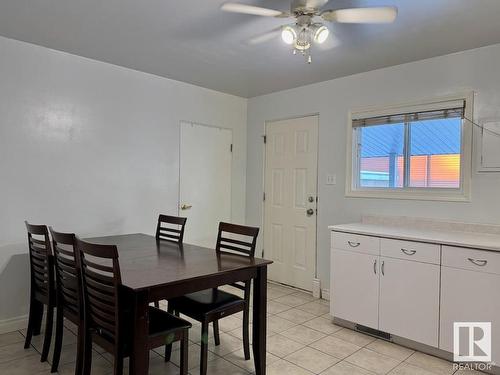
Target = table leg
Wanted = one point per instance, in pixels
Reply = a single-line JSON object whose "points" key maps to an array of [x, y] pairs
{"points": [[260, 320], [139, 358]]}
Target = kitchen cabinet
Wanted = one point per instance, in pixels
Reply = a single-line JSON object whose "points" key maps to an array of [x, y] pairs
{"points": [[414, 288], [469, 293]]}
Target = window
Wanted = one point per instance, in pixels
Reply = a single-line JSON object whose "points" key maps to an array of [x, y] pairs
{"points": [[415, 152]]}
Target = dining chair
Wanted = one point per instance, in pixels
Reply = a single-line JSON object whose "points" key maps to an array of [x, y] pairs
{"points": [[42, 292], [108, 318], [170, 228], [69, 301], [208, 306]]}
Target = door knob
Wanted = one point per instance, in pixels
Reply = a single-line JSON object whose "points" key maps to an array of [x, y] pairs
{"points": [[310, 212], [186, 207]]}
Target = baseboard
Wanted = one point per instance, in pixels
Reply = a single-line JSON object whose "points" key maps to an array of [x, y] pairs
{"points": [[325, 294], [13, 324]]}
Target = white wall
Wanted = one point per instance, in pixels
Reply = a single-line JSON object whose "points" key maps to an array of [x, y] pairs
{"points": [[93, 148], [477, 70]]}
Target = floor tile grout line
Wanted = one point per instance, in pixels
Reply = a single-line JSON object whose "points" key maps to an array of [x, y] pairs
{"points": [[352, 364], [364, 347]]}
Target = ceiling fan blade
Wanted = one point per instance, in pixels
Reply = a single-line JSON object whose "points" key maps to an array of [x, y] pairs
{"points": [[361, 15], [250, 9], [265, 37]]}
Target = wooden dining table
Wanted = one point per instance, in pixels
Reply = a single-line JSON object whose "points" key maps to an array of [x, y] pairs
{"points": [[153, 270]]}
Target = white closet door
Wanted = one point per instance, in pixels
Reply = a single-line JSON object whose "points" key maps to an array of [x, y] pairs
{"points": [[205, 181]]}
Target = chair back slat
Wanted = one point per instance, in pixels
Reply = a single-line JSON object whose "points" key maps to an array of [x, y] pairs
{"points": [[40, 253], [68, 281], [241, 246], [170, 228], [101, 281]]}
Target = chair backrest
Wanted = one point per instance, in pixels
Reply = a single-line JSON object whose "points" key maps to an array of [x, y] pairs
{"points": [[67, 274], [237, 239], [170, 228], [101, 281], [41, 263], [241, 239]]}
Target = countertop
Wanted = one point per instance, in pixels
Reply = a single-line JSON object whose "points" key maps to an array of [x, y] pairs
{"points": [[476, 240]]}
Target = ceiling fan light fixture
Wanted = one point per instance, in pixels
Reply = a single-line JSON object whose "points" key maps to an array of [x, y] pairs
{"points": [[302, 45], [289, 35], [321, 34]]}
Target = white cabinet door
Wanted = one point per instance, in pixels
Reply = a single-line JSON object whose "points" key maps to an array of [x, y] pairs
{"points": [[469, 296], [409, 300], [355, 287]]}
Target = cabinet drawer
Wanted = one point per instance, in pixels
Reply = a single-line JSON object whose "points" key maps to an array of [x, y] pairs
{"points": [[356, 242], [471, 259], [409, 250]]}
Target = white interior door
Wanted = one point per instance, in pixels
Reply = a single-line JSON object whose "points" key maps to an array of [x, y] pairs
{"points": [[290, 200], [205, 181]]}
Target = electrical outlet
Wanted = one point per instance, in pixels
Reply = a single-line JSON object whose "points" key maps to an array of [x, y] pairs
{"points": [[331, 179]]}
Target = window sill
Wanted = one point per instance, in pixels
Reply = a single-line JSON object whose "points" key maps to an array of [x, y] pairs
{"points": [[423, 195]]}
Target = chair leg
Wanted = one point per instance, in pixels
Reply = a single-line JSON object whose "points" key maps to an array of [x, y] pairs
{"points": [[118, 365], [168, 347], [246, 337], [48, 333], [59, 339], [184, 352], [80, 348], [37, 328], [35, 315], [204, 348], [216, 333], [168, 352], [87, 352]]}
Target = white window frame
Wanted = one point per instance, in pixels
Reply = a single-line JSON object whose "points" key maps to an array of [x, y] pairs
{"points": [[461, 194]]}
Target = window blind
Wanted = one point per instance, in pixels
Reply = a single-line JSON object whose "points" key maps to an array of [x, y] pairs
{"points": [[454, 109]]}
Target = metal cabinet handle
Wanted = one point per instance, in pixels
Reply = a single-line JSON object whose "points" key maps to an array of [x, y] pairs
{"points": [[383, 266], [353, 244], [186, 207], [409, 252], [478, 262], [375, 266]]}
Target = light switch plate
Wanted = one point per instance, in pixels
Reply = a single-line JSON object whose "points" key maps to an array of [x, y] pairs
{"points": [[331, 179]]}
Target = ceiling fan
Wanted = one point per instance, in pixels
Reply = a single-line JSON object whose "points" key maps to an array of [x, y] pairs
{"points": [[308, 27]]}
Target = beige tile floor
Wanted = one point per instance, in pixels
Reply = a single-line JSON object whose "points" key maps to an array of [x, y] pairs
{"points": [[301, 340]]}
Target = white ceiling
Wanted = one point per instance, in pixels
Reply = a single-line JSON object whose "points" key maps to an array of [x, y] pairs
{"points": [[193, 41]]}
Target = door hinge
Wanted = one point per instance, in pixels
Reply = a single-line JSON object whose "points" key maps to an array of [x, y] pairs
{"points": [[264, 137], [231, 147], [264, 197]]}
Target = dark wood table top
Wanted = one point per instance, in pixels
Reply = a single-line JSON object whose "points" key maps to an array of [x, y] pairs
{"points": [[146, 262]]}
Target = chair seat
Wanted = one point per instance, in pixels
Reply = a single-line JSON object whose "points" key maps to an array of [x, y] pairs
{"points": [[162, 322], [205, 301]]}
